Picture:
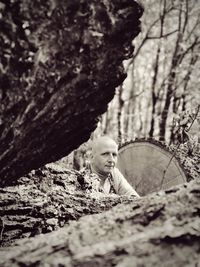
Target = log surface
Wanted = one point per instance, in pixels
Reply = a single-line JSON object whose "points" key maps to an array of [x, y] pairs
{"points": [[161, 229], [47, 199]]}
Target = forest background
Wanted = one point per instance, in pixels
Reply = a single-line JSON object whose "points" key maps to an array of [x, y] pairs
{"points": [[160, 97]]}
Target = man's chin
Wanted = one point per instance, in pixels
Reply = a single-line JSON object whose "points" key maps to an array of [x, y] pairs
{"points": [[109, 169]]}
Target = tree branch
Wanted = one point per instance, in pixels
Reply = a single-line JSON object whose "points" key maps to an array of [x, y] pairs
{"points": [[163, 35]]}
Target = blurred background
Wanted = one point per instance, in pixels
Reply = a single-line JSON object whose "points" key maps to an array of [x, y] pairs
{"points": [[160, 98]]}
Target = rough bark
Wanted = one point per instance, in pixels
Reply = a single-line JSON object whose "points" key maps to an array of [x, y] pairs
{"points": [[47, 199], [159, 230], [60, 64]]}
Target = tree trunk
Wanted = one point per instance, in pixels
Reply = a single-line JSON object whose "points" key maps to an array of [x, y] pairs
{"points": [[157, 230], [119, 115], [60, 64], [154, 95]]}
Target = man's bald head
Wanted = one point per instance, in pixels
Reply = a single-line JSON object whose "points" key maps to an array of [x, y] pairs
{"points": [[104, 154], [102, 141]]}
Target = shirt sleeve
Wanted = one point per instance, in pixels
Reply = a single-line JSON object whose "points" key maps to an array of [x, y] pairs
{"points": [[122, 186]]}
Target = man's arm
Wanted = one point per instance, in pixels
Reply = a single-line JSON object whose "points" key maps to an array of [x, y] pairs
{"points": [[122, 186]]}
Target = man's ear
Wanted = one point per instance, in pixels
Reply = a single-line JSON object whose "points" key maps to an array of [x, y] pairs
{"points": [[89, 155]]}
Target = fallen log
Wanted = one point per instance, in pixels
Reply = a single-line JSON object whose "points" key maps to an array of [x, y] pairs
{"points": [[161, 229], [47, 199]]}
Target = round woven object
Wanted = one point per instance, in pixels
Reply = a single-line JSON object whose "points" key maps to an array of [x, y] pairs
{"points": [[149, 167]]}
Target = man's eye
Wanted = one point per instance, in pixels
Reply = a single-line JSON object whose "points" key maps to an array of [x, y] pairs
{"points": [[107, 154]]}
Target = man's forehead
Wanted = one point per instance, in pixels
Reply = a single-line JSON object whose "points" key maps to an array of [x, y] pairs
{"points": [[106, 143]]}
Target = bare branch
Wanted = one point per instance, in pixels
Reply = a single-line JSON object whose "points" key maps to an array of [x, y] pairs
{"points": [[186, 78], [194, 118], [191, 47], [163, 35], [193, 29], [186, 17], [134, 96], [146, 37]]}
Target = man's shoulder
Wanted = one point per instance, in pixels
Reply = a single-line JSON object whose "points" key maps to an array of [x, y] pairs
{"points": [[117, 171], [117, 174], [123, 186]]}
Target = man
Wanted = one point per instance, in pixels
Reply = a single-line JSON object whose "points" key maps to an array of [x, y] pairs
{"points": [[103, 160]]}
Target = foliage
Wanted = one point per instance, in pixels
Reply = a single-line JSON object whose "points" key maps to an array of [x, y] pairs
{"points": [[183, 123]]}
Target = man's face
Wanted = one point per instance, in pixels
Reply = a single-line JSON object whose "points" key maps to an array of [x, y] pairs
{"points": [[104, 157]]}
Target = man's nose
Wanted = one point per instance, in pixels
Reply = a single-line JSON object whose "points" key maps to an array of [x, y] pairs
{"points": [[111, 158]]}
